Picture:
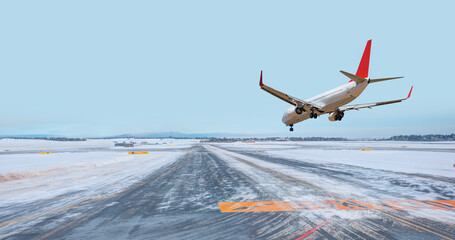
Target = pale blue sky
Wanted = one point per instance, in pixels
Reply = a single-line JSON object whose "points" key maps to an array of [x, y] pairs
{"points": [[99, 68]]}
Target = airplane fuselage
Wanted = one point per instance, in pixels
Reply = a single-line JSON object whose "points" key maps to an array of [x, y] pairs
{"points": [[327, 102]]}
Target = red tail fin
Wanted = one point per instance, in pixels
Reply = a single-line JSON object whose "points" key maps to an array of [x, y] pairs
{"points": [[362, 71]]}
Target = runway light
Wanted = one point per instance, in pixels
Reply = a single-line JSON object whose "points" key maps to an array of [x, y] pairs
{"points": [[138, 152], [366, 149], [45, 153]]}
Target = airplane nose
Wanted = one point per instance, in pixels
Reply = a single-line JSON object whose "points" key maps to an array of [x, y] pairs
{"points": [[287, 115]]}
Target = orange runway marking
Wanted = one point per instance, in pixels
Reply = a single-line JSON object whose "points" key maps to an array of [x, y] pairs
{"points": [[287, 206]]}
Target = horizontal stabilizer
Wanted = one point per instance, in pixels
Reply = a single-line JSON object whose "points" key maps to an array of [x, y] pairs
{"points": [[382, 79], [353, 77]]}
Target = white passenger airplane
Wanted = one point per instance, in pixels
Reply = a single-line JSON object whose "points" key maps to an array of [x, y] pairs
{"points": [[334, 101]]}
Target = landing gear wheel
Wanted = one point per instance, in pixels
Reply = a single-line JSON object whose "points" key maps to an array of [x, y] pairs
{"points": [[311, 115], [337, 118], [315, 116], [299, 110], [291, 129]]}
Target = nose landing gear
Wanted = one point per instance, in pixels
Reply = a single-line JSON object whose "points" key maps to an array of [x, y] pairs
{"points": [[291, 129]]}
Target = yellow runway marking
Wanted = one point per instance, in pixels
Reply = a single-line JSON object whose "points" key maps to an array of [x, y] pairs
{"points": [[94, 199], [138, 152], [414, 225]]}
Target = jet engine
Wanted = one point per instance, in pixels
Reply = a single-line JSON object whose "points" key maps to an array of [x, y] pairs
{"points": [[299, 110], [336, 116]]}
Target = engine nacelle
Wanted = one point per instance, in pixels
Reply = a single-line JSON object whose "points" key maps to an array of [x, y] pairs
{"points": [[336, 116], [332, 116]]}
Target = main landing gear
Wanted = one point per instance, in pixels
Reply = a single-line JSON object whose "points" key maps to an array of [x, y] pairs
{"points": [[291, 129], [313, 115]]}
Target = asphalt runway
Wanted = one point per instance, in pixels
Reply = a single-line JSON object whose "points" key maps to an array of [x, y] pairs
{"points": [[182, 201]]}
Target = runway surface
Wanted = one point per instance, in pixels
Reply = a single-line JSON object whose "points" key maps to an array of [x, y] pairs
{"points": [[182, 199]]}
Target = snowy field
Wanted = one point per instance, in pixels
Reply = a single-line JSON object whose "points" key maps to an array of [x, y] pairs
{"points": [[29, 145], [72, 167], [434, 158]]}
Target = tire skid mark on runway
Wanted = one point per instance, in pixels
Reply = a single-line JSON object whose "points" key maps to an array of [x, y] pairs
{"points": [[433, 178], [407, 222], [282, 175], [95, 198]]}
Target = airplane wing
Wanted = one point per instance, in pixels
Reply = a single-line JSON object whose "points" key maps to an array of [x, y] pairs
{"points": [[287, 98], [370, 105]]}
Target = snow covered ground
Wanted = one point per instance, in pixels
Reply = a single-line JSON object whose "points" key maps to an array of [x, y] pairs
{"points": [[32, 176], [13, 145], [407, 157]]}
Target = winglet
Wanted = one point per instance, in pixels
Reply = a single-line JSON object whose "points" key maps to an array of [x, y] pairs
{"points": [[409, 95], [260, 81]]}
